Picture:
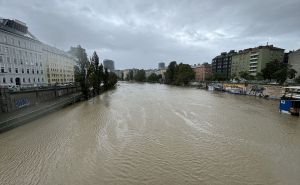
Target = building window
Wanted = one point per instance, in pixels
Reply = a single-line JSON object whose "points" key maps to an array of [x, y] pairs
{"points": [[9, 70], [21, 61], [23, 71], [27, 71], [38, 80], [4, 80], [11, 80], [33, 79], [2, 70], [29, 80], [37, 71], [17, 70], [32, 71], [42, 71], [1, 59]]}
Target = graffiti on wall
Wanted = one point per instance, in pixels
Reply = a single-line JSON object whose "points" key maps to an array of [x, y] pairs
{"points": [[22, 102]]}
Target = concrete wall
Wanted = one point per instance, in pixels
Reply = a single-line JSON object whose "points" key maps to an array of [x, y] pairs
{"points": [[11, 101]]}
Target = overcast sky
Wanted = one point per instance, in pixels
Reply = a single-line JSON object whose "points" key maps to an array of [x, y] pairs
{"points": [[141, 33]]}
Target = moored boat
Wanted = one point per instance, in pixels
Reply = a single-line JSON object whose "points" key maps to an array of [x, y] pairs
{"points": [[290, 101]]}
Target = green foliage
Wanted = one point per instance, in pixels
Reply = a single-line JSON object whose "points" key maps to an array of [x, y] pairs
{"points": [[219, 77], [81, 69], [180, 74], [140, 76], [184, 74], [170, 73], [90, 75], [112, 79], [278, 71], [154, 77], [245, 75]]}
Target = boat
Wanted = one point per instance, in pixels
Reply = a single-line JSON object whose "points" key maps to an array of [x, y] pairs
{"points": [[290, 100]]}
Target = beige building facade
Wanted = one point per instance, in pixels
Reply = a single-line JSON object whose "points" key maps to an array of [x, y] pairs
{"points": [[253, 60], [294, 60], [59, 65]]}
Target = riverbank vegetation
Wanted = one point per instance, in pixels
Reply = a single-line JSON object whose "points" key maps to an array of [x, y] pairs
{"points": [[90, 74], [179, 74]]}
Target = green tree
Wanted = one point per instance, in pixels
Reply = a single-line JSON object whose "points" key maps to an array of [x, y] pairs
{"points": [[140, 76], [95, 74], [81, 69], [112, 79], [106, 79], [245, 75], [170, 73], [219, 77], [278, 71], [154, 77], [184, 74]]}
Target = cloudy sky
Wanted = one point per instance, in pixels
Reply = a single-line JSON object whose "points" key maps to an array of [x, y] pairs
{"points": [[141, 33]]}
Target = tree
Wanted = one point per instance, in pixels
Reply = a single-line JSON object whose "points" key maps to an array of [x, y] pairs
{"points": [[184, 74], [140, 76], [154, 77], [291, 73], [219, 77], [170, 73], [278, 71], [95, 73], [81, 69], [112, 79], [245, 75], [106, 79]]}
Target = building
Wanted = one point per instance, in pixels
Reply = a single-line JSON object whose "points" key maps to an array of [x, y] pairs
{"points": [[294, 60], [27, 62], [253, 60], [222, 64], [59, 65], [202, 72], [119, 73], [161, 65], [109, 64], [21, 60]]}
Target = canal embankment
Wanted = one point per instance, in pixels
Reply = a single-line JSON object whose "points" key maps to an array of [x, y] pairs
{"points": [[19, 117]]}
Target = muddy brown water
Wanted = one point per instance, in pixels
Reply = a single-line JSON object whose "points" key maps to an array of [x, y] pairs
{"points": [[156, 134]]}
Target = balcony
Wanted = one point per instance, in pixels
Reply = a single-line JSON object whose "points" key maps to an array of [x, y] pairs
{"points": [[254, 54]]}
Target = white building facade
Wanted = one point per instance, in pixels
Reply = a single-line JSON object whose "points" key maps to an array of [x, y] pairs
{"points": [[20, 55], [27, 62]]}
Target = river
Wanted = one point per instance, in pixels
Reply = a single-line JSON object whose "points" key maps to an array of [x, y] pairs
{"points": [[156, 134]]}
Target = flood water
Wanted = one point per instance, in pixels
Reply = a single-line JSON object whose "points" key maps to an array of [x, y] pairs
{"points": [[156, 134]]}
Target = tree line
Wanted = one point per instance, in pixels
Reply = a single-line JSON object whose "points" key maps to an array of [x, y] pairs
{"points": [[92, 77], [139, 75]]}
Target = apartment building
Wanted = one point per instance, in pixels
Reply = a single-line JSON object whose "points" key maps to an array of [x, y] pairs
{"points": [[255, 59], [202, 72], [222, 64], [294, 60]]}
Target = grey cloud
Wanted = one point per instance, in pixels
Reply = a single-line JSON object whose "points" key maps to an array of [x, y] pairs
{"points": [[141, 33]]}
